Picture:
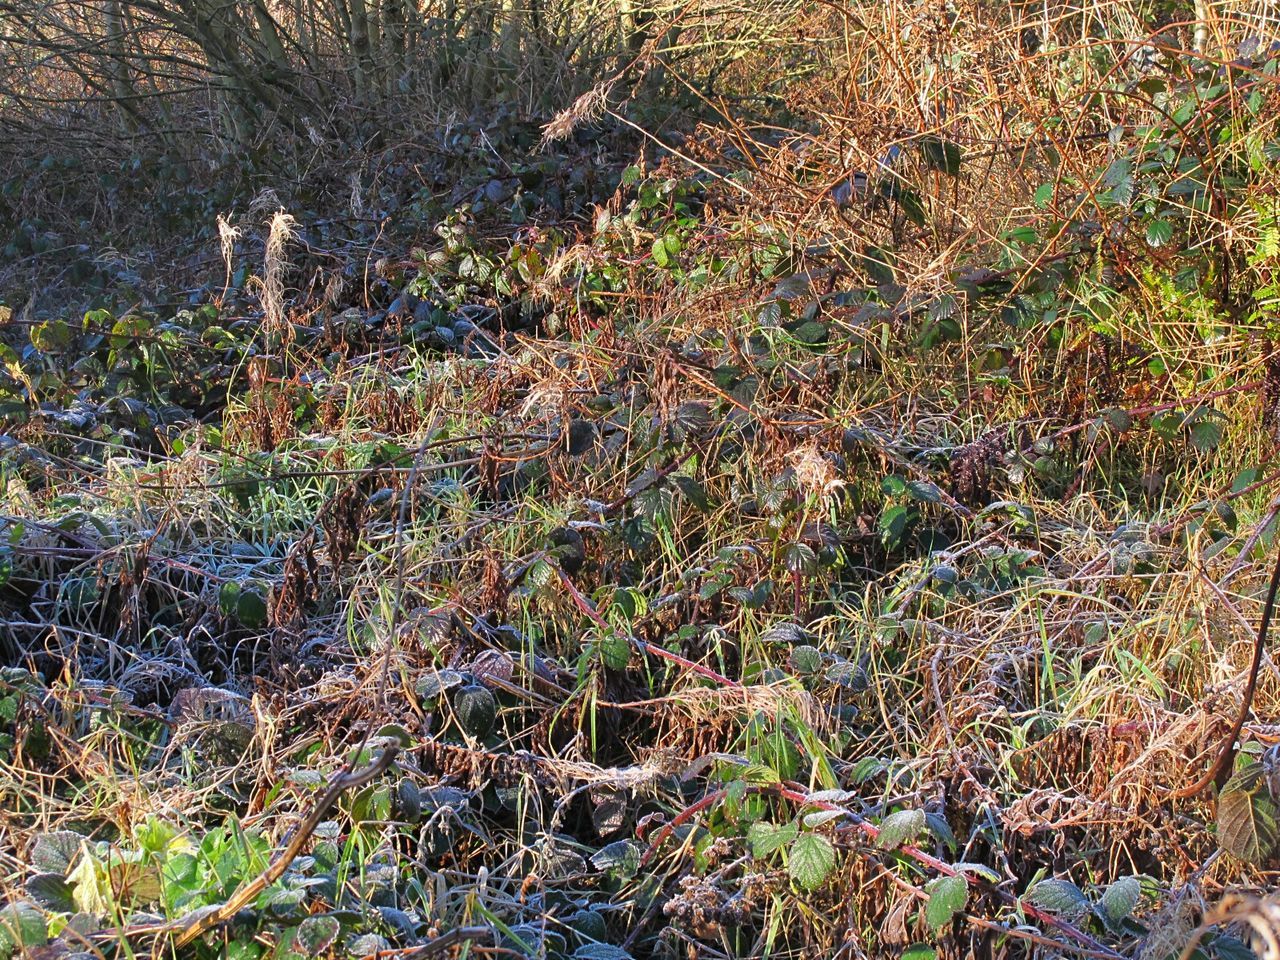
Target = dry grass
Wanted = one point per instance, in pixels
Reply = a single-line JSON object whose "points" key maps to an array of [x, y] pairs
{"points": [[656, 519]]}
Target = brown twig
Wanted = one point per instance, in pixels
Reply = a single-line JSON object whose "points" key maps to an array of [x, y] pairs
{"points": [[1218, 772], [345, 780]]}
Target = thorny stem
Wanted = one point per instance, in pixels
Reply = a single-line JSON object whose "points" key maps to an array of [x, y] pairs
{"points": [[589, 609]]}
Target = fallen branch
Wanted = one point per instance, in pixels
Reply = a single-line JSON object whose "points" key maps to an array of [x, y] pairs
{"points": [[206, 920]]}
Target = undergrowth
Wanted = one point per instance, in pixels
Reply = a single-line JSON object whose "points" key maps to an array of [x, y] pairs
{"points": [[836, 537]]}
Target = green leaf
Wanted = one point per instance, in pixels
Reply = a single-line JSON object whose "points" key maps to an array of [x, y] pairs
{"points": [[938, 826], [759, 774], [1206, 434], [799, 558], [621, 858], [893, 524], [902, 826], [665, 250], [56, 851], [22, 928], [431, 685], [947, 898], [1022, 235], [805, 659], [924, 491], [912, 206], [1159, 232], [600, 951], [1223, 946], [1058, 896], [978, 870], [893, 486], [811, 860], [1043, 195], [476, 708], [91, 886], [816, 819], [1120, 899], [660, 253], [693, 491], [51, 891], [1247, 827], [615, 650], [879, 264], [52, 336], [767, 839], [919, 951], [1120, 420], [813, 333], [944, 155], [316, 934]]}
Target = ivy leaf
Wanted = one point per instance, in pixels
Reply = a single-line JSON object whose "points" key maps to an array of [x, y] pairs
{"points": [[1247, 826], [919, 951], [947, 897], [1058, 896], [902, 826], [811, 860]]}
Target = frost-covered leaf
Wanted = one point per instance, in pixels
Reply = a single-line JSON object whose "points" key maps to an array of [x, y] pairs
{"points": [[1247, 817], [56, 851], [768, 838], [820, 817], [978, 870], [902, 826], [805, 659], [811, 860], [1120, 899], [476, 709], [316, 934], [51, 891], [947, 897], [22, 928], [621, 857], [600, 951], [1058, 896]]}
